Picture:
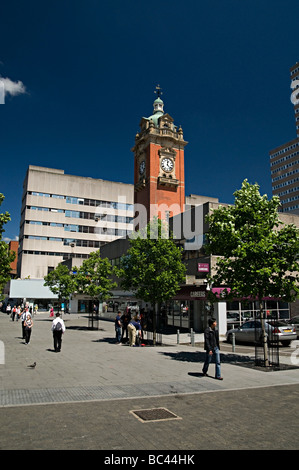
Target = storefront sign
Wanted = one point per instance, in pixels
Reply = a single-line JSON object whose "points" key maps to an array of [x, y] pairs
{"points": [[203, 267], [191, 293], [197, 293]]}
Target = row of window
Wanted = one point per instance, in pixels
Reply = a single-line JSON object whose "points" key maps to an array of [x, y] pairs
{"points": [[87, 202], [100, 231], [291, 208], [288, 191], [283, 159], [51, 253], [290, 199], [239, 312], [82, 228], [67, 241], [284, 167], [86, 215], [286, 183], [84, 243], [284, 150], [285, 175]]}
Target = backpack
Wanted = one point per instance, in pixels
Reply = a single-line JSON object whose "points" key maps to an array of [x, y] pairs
{"points": [[58, 326]]}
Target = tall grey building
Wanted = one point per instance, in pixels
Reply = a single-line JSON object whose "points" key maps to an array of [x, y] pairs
{"points": [[284, 160], [65, 216]]}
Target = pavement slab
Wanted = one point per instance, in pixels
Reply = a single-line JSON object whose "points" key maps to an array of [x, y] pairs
{"points": [[82, 397]]}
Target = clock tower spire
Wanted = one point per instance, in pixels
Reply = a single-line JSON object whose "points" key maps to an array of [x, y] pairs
{"points": [[159, 180]]}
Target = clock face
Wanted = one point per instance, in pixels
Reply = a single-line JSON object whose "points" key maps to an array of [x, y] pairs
{"points": [[142, 167], [167, 164]]}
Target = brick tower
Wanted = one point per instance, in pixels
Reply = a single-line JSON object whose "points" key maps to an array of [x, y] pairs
{"points": [[159, 181]]}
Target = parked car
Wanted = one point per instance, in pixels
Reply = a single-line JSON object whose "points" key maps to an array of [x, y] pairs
{"points": [[294, 321], [251, 331]]}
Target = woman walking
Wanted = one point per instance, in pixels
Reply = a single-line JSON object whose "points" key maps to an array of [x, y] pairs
{"points": [[28, 324]]}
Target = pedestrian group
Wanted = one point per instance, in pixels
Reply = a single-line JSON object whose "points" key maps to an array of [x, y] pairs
{"points": [[25, 315], [127, 329]]}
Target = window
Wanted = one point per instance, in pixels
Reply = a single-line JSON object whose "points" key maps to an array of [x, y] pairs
{"points": [[55, 224], [71, 200], [71, 228], [75, 214], [40, 194]]}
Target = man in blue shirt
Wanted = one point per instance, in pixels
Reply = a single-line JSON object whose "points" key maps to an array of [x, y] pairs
{"points": [[133, 327]]}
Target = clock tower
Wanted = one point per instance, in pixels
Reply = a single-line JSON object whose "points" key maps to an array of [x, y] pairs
{"points": [[159, 181]]}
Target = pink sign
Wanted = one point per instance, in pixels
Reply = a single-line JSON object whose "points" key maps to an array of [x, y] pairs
{"points": [[203, 267]]}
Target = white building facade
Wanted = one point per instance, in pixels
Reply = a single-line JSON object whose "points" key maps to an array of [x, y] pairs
{"points": [[66, 216]]}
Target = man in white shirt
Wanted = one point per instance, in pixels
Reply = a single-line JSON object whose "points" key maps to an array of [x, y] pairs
{"points": [[58, 328]]}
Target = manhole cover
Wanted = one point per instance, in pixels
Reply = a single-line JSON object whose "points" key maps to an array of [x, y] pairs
{"points": [[154, 414]]}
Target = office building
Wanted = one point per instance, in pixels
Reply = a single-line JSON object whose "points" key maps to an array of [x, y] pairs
{"points": [[66, 216], [284, 160]]}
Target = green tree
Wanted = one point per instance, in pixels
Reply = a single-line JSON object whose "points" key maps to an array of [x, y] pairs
{"points": [[61, 283], [152, 267], [94, 277], [6, 256], [258, 255]]}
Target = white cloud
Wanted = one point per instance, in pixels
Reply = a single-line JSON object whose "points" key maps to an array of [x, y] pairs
{"points": [[13, 88], [7, 239]]}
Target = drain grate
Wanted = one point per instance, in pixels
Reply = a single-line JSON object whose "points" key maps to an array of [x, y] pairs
{"points": [[154, 414]]}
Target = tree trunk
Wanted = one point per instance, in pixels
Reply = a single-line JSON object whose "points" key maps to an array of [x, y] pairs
{"points": [[154, 309], [264, 335]]}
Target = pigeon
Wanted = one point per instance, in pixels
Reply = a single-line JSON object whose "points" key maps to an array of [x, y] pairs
{"points": [[32, 366]]}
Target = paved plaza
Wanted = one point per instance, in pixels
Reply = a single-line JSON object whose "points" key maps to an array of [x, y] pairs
{"points": [[84, 397]]}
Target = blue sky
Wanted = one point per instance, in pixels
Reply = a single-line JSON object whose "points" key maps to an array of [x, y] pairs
{"points": [[90, 68]]}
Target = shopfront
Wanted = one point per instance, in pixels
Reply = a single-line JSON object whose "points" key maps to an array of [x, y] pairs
{"points": [[189, 309]]}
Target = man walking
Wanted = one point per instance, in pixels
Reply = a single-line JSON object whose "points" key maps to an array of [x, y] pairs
{"points": [[211, 346], [58, 328]]}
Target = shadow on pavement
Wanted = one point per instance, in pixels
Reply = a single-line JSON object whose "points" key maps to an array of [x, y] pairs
{"points": [[198, 356]]}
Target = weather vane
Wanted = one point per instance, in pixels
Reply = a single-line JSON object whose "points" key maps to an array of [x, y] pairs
{"points": [[159, 91]]}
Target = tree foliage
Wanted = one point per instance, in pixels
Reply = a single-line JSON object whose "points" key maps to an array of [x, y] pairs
{"points": [[6, 256], [94, 277], [152, 267], [258, 255], [60, 282]]}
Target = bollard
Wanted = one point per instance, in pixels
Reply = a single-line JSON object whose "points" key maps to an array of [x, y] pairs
{"points": [[178, 336], [192, 337], [233, 342]]}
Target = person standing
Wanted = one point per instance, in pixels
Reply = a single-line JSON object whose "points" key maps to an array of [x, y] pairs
{"points": [[18, 314], [211, 346], [13, 313], [23, 318], [28, 324], [58, 328], [125, 319], [118, 327]]}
